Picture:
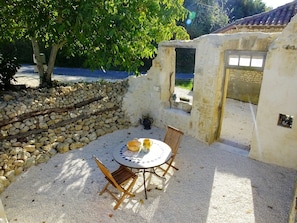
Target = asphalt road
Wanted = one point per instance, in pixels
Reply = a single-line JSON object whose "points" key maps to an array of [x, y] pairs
{"points": [[87, 73]]}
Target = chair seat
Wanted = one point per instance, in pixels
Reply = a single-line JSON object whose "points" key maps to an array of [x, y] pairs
{"points": [[121, 175]]}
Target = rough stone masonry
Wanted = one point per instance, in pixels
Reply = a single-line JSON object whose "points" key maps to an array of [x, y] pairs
{"points": [[35, 124]]}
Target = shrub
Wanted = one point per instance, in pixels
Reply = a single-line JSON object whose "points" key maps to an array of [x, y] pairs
{"points": [[8, 66]]}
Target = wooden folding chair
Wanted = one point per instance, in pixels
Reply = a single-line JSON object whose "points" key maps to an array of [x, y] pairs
{"points": [[172, 138], [118, 179]]}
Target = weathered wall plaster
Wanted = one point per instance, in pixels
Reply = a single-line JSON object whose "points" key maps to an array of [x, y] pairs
{"points": [[272, 143], [151, 93]]}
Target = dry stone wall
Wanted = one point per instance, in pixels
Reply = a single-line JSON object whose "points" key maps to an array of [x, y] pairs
{"points": [[35, 124]]}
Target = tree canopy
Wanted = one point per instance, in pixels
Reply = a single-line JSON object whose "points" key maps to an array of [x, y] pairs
{"points": [[110, 32], [237, 9], [114, 33], [206, 16]]}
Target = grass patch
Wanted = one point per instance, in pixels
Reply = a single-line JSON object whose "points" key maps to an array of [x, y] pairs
{"points": [[185, 84]]}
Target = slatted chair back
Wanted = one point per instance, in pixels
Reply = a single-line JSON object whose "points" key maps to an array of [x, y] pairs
{"points": [[172, 138]]}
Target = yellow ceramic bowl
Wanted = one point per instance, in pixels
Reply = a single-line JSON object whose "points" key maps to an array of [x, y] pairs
{"points": [[134, 145]]}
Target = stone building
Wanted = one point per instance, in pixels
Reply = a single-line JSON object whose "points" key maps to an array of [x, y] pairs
{"points": [[245, 83], [271, 21], [275, 130], [274, 134]]}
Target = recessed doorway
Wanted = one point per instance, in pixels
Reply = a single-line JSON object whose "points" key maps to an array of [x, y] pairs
{"points": [[243, 79]]}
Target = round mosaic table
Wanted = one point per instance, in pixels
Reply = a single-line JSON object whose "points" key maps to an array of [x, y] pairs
{"points": [[158, 154]]}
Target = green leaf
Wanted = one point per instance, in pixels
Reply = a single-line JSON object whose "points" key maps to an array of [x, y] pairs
{"points": [[107, 33]]}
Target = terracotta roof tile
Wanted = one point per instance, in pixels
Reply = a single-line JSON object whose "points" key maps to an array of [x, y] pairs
{"points": [[278, 17]]}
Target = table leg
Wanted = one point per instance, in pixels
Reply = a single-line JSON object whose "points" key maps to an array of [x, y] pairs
{"points": [[144, 183], [154, 172]]}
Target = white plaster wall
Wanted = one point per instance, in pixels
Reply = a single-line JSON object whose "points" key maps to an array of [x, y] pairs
{"points": [[272, 143], [151, 93], [145, 93]]}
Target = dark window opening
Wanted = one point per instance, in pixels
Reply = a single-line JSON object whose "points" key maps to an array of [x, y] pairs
{"points": [[285, 121]]}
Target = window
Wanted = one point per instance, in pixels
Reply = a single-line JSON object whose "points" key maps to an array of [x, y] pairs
{"points": [[285, 121], [245, 59]]}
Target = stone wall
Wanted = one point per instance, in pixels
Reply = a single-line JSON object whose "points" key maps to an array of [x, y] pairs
{"points": [[37, 124], [244, 85], [152, 93]]}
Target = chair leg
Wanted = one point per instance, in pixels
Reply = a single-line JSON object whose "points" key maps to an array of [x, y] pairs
{"points": [[126, 193], [119, 202], [168, 167], [104, 188], [166, 170], [174, 167]]}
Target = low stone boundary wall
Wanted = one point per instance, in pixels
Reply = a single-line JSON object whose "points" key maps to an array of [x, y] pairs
{"points": [[35, 124]]}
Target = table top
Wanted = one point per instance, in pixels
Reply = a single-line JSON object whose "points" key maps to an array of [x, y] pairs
{"points": [[158, 154]]}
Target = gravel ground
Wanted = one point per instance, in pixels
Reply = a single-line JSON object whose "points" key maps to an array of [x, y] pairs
{"points": [[216, 183], [238, 123]]}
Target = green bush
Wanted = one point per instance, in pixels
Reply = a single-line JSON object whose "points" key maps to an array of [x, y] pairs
{"points": [[24, 51], [8, 66], [185, 84]]}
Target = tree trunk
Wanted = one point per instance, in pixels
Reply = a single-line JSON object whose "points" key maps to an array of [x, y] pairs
{"points": [[45, 76], [51, 62], [39, 64]]}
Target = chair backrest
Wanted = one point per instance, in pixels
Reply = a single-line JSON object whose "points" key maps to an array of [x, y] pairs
{"points": [[173, 138], [107, 174]]}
